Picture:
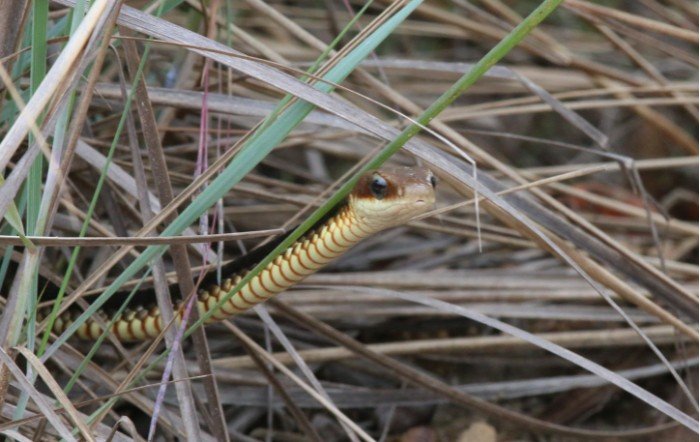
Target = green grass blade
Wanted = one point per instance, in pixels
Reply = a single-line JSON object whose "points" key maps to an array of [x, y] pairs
{"points": [[88, 216], [250, 155], [468, 79], [463, 83]]}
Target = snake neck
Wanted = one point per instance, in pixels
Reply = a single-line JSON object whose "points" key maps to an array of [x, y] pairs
{"points": [[303, 258]]}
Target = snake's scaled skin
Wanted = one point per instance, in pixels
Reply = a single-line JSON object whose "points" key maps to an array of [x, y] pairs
{"points": [[382, 199]]}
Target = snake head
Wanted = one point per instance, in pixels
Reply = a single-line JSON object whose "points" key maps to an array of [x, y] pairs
{"points": [[391, 196]]}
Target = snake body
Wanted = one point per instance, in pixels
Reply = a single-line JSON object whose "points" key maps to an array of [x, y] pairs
{"points": [[382, 199]]}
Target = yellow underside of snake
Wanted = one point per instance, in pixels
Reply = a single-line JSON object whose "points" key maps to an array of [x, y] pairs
{"points": [[380, 200]]}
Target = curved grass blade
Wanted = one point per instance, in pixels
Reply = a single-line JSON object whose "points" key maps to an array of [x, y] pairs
{"points": [[564, 353], [467, 80], [253, 151]]}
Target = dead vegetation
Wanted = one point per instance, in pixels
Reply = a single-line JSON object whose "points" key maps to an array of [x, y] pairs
{"points": [[563, 305]]}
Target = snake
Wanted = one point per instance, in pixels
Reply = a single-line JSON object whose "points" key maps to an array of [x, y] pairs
{"points": [[381, 199]]}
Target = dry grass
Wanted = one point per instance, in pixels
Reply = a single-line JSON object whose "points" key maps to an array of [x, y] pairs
{"points": [[565, 306]]}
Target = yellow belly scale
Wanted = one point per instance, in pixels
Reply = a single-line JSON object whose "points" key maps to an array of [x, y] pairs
{"points": [[306, 256]]}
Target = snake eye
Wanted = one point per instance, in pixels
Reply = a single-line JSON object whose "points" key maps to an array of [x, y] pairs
{"points": [[378, 186], [433, 180]]}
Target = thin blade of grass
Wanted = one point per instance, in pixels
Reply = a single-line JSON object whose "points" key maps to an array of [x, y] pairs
{"points": [[58, 393], [246, 159], [136, 64], [64, 63], [612, 377], [39, 400]]}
